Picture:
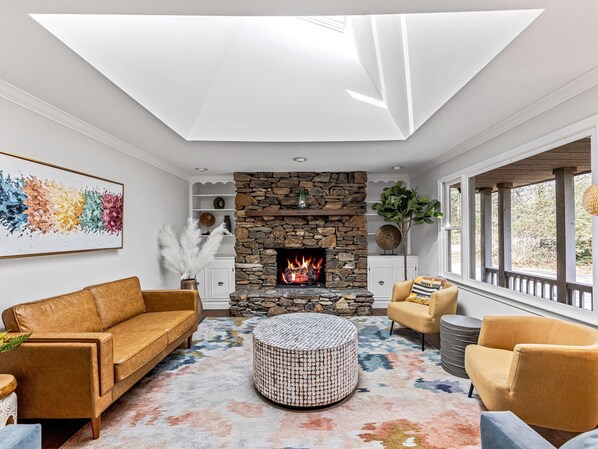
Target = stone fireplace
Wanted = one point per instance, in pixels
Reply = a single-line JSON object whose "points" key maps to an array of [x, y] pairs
{"points": [[290, 259]]}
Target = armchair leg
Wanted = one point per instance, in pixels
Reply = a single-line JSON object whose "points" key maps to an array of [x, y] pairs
{"points": [[470, 390], [190, 341], [392, 325], [423, 340], [95, 427]]}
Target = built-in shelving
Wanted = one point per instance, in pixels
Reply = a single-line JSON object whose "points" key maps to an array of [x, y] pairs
{"points": [[203, 195]]}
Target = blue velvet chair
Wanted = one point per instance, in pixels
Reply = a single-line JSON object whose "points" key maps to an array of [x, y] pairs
{"points": [[21, 436], [504, 430]]}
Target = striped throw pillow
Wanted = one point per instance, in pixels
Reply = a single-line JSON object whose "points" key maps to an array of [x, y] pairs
{"points": [[423, 287]]}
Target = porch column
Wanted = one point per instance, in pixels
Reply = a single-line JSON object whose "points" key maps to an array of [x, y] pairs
{"points": [[485, 231], [504, 231], [565, 230]]}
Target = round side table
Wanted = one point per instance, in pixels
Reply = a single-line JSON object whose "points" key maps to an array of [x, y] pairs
{"points": [[456, 333], [8, 400]]}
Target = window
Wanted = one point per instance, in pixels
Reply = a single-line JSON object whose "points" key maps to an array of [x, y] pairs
{"points": [[452, 227], [526, 230]]}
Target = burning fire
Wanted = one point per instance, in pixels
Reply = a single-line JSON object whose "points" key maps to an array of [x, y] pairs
{"points": [[302, 270]]}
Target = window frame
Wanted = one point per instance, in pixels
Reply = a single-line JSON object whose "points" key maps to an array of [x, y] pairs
{"points": [[466, 280]]}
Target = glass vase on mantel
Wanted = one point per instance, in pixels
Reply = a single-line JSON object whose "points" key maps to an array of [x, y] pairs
{"points": [[302, 203], [188, 284]]}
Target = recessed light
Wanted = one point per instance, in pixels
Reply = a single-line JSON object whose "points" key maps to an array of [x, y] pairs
{"points": [[397, 167], [201, 169], [300, 159]]}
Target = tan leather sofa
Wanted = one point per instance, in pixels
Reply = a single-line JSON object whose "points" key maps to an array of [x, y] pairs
{"points": [[424, 319], [89, 347], [542, 369]]}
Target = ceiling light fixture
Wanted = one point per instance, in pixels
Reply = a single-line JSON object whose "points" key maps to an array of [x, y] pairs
{"points": [[201, 169], [397, 167], [300, 159]]}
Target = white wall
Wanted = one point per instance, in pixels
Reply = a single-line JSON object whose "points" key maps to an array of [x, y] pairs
{"points": [[424, 238], [152, 197]]}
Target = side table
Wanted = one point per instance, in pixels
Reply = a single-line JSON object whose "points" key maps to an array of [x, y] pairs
{"points": [[456, 333], [8, 400]]}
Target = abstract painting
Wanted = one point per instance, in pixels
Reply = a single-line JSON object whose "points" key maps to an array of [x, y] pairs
{"points": [[45, 209]]}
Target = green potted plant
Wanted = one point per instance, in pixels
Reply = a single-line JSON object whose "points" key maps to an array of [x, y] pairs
{"points": [[8, 342], [406, 208]]}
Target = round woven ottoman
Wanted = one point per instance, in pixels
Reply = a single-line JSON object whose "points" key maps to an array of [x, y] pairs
{"points": [[305, 359]]}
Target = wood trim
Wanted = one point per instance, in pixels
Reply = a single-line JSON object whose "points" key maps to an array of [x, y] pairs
{"points": [[303, 212]]}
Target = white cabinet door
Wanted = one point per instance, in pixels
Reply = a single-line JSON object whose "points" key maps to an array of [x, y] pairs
{"points": [[385, 271], [220, 282], [380, 277]]}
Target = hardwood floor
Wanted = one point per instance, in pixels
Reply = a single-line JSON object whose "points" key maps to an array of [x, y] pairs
{"points": [[55, 432]]}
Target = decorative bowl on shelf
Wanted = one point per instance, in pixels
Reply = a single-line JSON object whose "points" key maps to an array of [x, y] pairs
{"points": [[388, 237], [207, 219]]}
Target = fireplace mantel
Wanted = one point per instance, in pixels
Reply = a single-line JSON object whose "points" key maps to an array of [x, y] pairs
{"points": [[303, 212]]}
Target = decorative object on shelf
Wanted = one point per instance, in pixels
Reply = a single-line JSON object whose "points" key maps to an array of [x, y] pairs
{"points": [[590, 200], [227, 223], [302, 203], [184, 256], [207, 219], [46, 209], [388, 237], [8, 342], [219, 203], [406, 208]]}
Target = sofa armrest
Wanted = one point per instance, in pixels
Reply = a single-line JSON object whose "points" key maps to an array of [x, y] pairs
{"points": [[168, 300], [61, 374], [443, 302], [401, 290], [504, 430], [559, 377]]}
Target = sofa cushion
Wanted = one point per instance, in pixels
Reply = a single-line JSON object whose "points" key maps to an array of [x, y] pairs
{"points": [[134, 348], [117, 301], [491, 365], [74, 312], [413, 315], [172, 323]]}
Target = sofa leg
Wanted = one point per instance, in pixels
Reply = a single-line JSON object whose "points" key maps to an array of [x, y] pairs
{"points": [[470, 390], [423, 340], [190, 341], [95, 427], [392, 325]]}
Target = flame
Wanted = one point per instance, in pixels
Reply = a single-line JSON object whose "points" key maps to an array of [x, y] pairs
{"points": [[298, 270]]}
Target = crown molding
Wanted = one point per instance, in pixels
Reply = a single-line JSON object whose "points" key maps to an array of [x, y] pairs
{"points": [[570, 90], [28, 101]]}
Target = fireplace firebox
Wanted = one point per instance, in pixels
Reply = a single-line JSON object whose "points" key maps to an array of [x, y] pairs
{"points": [[304, 267]]}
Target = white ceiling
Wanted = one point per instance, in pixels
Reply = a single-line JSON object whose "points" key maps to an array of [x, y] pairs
{"points": [[557, 48], [281, 79]]}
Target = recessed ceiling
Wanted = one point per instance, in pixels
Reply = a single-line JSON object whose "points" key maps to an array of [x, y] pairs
{"points": [[291, 79]]}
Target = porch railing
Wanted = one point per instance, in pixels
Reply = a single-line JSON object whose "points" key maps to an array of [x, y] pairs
{"points": [[578, 295]]}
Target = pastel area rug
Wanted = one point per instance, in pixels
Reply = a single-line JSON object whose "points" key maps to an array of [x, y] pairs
{"points": [[203, 398]]}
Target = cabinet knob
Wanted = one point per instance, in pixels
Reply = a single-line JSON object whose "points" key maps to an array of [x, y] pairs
{"points": [[220, 284], [381, 282]]}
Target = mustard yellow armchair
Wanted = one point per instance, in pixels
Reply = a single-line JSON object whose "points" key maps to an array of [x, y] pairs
{"points": [[542, 369], [424, 319]]}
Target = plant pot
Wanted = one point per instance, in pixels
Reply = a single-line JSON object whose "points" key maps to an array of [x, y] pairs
{"points": [[189, 284]]}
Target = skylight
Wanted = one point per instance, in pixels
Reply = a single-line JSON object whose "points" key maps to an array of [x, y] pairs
{"points": [[227, 78], [336, 23]]}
